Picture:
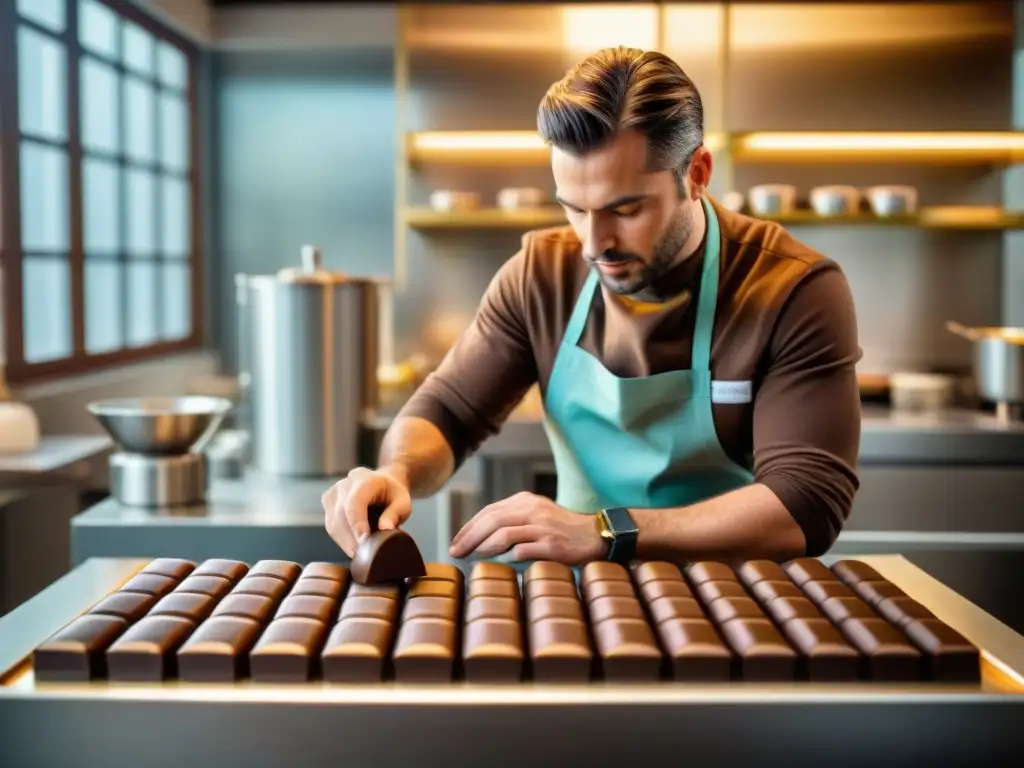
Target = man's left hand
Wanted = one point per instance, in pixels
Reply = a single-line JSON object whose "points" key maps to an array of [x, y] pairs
{"points": [[534, 528]]}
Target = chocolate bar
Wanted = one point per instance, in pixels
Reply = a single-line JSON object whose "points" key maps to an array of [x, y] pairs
{"points": [[427, 587], [492, 588], [712, 590], [387, 556], [839, 609], [785, 608], [130, 606], [874, 592], [614, 608], [900, 611], [438, 608], [150, 584], [951, 657], [820, 591], [652, 590], [766, 591], [232, 570], [214, 586], [172, 567], [709, 570], [560, 651], [805, 569], [329, 571], [755, 571], [323, 609], [370, 607], [288, 651], [852, 571], [548, 571], [390, 591], [727, 608], [146, 651], [76, 652], [444, 572], [764, 654], [493, 650], [259, 608], [549, 588], [889, 657], [186, 605], [488, 607], [694, 649], [595, 589], [280, 569], [826, 655], [628, 649], [356, 650], [488, 570], [656, 571], [309, 585], [425, 651], [665, 608], [218, 651], [267, 586], [562, 607]]}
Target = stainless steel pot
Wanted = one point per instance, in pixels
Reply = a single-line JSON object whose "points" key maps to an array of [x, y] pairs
{"points": [[998, 364], [309, 356]]}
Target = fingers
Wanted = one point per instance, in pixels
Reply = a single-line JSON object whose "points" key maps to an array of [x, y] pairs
{"points": [[533, 550], [503, 514], [333, 502], [505, 538], [365, 490], [396, 513]]}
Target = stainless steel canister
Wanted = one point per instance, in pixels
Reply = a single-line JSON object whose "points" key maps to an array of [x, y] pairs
{"points": [[311, 358]]}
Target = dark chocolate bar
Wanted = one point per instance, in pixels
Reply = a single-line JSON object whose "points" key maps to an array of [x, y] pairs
{"points": [[949, 656], [560, 651], [307, 585], [387, 556], [256, 607], [130, 606], [329, 571], [695, 650], [288, 651], [755, 571], [826, 654], [839, 609], [493, 651], [874, 592], [490, 570], [487, 607], [764, 655], [900, 611], [852, 571], [628, 649], [709, 570], [146, 651], [232, 570], [548, 571], [76, 652], [323, 609], [285, 570], [174, 567], [218, 651], [150, 584], [425, 651], [436, 607], [890, 657], [187, 605], [805, 569], [268, 586], [356, 650], [214, 586]]}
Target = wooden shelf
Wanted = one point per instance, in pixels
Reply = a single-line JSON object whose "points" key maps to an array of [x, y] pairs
{"points": [[941, 217]]}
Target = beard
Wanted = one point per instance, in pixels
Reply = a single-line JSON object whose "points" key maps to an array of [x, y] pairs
{"points": [[646, 271]]}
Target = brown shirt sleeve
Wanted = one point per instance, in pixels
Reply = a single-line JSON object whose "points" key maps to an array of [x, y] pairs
{"points": [[486, 373], [806, 429]]}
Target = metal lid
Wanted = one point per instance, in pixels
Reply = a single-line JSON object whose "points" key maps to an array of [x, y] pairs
{"points": [[312, 270]]}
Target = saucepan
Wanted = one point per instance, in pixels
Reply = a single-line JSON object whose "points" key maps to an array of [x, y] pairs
{"points": [[998, 362]]}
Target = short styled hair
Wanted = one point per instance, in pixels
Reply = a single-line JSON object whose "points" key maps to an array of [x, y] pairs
{"points": [[621, 89]]}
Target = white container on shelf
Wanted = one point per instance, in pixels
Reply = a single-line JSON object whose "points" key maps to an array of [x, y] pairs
{"points": [[772, 199], [517, 198], [450, 200], [892, 200], [928, 392], [835, 200]]}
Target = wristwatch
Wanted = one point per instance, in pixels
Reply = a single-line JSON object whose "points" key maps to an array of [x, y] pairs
{"points": [[620, 531]]}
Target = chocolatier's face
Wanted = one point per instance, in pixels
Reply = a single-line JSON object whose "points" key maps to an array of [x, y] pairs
{"points": [[633, 222]]}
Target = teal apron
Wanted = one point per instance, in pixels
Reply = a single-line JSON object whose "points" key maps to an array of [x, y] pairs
{"points": [[647, 442]]}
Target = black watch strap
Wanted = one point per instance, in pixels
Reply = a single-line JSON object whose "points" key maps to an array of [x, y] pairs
{"points": [[624, 534]]}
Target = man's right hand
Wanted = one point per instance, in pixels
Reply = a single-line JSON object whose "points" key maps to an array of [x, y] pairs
{"points": [[347, 502]]}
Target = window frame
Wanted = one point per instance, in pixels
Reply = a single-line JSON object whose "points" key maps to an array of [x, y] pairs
{"points": [[18, 370]]}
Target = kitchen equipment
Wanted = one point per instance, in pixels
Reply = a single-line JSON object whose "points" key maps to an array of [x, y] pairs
{"points": [[160, 440], [733, 201], [772, 199], [311, 351], [515, 198], [921, 391], [835, 200], [451, 200], [892, 200], [998, 365]]}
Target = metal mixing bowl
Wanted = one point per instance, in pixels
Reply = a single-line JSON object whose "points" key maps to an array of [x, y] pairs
{"points": [[160, 425]]}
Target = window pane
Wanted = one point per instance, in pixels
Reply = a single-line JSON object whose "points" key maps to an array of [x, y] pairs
{"points": [[138, 48], [97, 28], [173, 66], [141, 225], [99, 106], [175, 226], [177, 301], [49, 13], [42, 85], [100, 206], [138, 104], [173, 132], [44, 198], [142, 303], [103, 306], [46, 308]]}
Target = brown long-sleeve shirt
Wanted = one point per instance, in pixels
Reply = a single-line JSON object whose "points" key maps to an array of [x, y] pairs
{"points": [[785, 322]]}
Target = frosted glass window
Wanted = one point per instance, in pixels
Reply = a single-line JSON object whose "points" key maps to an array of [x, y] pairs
{"points": [[101, 207], [97, 28], [103, 326], [42, 85], [176, 224], [138, 48], [173, 132], [176, 289], [138, 105], [173, 67], [99, 106], [141, 212], [44, 198], [46, 309], [143, 306], [48, 13]]}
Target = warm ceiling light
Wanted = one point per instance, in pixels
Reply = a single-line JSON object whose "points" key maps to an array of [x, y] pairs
{"points": [[885, 142]]}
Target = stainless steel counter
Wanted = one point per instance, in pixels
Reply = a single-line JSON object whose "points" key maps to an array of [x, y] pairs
{"points": [[250, 724]]}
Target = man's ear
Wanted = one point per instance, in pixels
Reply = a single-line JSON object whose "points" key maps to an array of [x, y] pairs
{"points": [[698, 177]]}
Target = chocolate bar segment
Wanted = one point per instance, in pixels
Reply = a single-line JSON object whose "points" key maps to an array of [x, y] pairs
{"points": [[256, 607], [173, 567], [387, 556], [186, 605], [548, 571], [712, 590], [145, 652], [667, 608], [426, 587], [852, 571], [785, 608], [560, 651], [614, 608], [594, 589], [949, 656], [492, 588], [329, 571], [839, 609], [489, 570], [628, 650], [766, 591], [900, 611], [218, 651], [390, 591], [603, 571], [322, 609], [285, 570], [656, 571], [307, 585], [826, 655], [874, 592], [214, 586], [727, 608], [76, 652], [425, 651], [695, 650], [356, 650], [764, 655], [559, 608], [820, 591], [755, 571], [445, 572], [288, 651], [493, 651], [805, 569], [487, 607], [547, 588], [130, 606], [268, 586], [232, 570], [437, 608], [890, 658], [709, 570], [653, 590], [369, 607], [150, 584]]}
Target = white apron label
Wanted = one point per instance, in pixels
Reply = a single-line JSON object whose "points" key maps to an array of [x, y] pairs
{"points": [[731, 392]]}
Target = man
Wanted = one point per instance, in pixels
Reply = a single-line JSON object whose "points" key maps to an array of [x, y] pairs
{"points": [[697, 366]]}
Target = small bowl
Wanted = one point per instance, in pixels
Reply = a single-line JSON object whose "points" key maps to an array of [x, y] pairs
{"points": [[835, 200], [772, 199], [517, 198], [892, 200], [451, 200]]}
